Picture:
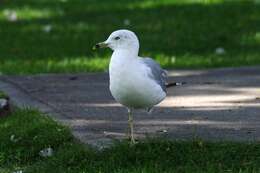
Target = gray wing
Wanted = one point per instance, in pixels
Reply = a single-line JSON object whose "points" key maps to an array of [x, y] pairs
{"points": [[158, 74]]}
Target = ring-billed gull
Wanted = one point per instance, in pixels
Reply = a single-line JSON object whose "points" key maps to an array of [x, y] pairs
{"points": [[135, 82]]}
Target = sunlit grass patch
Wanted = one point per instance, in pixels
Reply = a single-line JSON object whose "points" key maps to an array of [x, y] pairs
{"points": [[210, 60], [153, 3], [78, 64], [27, 13], [257, 37], [53, 65], [97, 64], [251, 39], [57, 36]]}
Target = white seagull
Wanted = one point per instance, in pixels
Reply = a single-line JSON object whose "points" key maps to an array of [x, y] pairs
{"points": [[135, 82]]}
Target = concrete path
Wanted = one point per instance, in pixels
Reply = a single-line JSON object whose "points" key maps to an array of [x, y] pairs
{"points": [[222, 104]]}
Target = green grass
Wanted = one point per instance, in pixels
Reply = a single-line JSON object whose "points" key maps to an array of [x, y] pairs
{"points": [[2, 95], [177, 33], [33, 132]]}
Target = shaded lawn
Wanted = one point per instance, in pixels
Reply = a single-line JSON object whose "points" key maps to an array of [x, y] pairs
{"points": [[179, 34], [2, 95], [33, 132]]}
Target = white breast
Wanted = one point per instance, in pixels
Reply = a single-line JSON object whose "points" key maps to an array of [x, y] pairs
{"points": [[130, 84]]}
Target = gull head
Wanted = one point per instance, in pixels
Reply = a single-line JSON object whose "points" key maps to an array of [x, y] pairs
{"points": [[120, 39]]}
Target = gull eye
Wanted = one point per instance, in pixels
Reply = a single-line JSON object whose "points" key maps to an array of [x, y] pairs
{"points": [[117, 38]]}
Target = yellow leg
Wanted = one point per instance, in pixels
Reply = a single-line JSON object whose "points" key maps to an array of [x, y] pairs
{"points": [[131, 126]]}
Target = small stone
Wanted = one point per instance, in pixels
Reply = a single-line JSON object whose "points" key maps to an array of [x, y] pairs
{"points": [[3, 103], [47, 28], [164, 131], [10, 15], [19, 171], [127, 22], [4, 107], [14, 138], [47, 152], [220, 51]]}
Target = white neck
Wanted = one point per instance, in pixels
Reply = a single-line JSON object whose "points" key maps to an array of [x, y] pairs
{"points": [[126, 53], [121, 59], [133, 52]]}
